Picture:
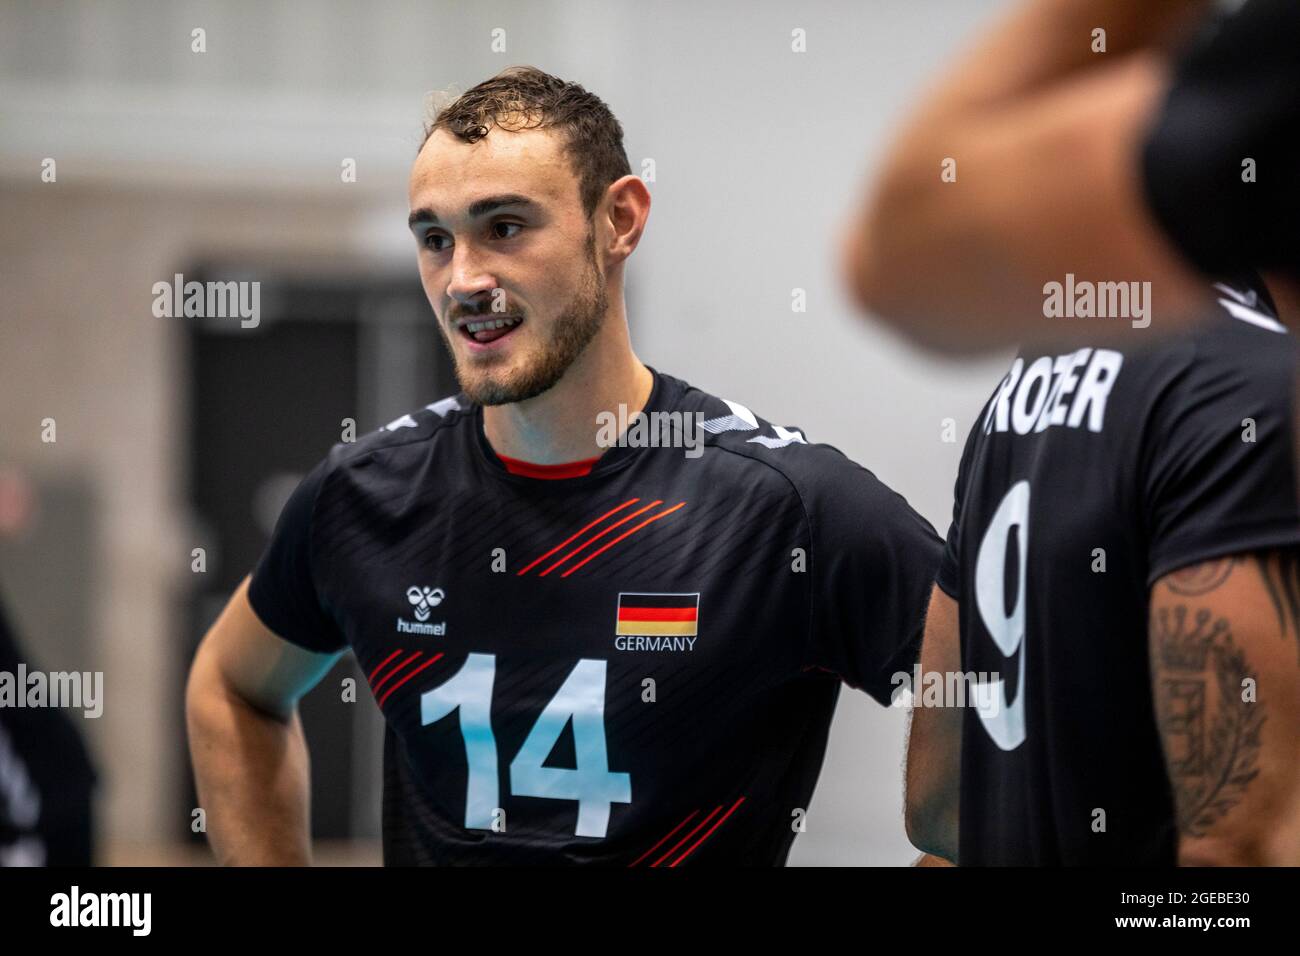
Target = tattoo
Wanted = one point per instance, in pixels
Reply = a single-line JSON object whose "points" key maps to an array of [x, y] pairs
{"points": [[1211, 735], [1281, 573], [1200, 578]]}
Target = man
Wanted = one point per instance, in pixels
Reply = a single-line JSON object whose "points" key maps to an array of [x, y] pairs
{"points": [[1121, 587], [621, 655], [1073, 141]]}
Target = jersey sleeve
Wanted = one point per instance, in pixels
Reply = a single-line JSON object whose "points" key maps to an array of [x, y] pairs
{"points": [[873, 565], [948, 577], [283, 590], [1235, 98], [1221, 475]]}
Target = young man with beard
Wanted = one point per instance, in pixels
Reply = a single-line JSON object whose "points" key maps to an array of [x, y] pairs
{"points": [[620, 655]]}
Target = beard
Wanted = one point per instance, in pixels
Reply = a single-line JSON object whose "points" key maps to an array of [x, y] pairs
{"points": [[573, 330]]}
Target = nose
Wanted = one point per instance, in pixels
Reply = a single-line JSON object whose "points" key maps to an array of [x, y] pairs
{"points": [[469, 280]]}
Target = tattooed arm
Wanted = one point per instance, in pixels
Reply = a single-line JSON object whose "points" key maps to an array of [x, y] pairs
{"points": [[933, 773], [1225, 665]]}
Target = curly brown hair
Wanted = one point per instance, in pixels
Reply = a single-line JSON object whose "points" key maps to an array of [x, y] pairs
{"points": [[524, 97]]}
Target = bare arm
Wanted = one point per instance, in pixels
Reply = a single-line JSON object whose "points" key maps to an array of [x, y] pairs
{"points": [[933, 774], [1285, 849], [1043, 42], [246, 741], [1045, 137], [1225, 664]]}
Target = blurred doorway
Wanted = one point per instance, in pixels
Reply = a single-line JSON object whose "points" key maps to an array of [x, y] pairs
{"points": [[265, 404]]}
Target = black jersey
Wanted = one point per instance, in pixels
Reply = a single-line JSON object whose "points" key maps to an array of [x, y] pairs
{"points": [[637, 666], [47, 778], [1219, 162], [1088, 477]]}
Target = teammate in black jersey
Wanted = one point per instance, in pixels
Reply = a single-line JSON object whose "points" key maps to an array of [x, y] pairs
{"points": [[1122, 578], [1112, 142], [47, 779], [622, 655]]}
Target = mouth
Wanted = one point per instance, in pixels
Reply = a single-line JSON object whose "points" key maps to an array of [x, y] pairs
{"points": [[484, 332]]}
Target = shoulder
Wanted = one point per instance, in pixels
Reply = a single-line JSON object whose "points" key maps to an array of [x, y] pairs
{"points": [[757, 449], [408, 436], [1244, 334], [1237, 357]]}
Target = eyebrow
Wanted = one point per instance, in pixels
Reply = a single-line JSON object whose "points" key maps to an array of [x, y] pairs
{"points": [[479, 207]]}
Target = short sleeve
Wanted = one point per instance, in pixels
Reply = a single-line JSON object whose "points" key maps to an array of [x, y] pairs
{"points": [[1221, 476], [283, 591], [948, 577], [1217, 164], [873, 565]]}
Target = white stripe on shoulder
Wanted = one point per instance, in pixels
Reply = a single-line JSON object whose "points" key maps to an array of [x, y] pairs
{"points": [[445, 406], [1239, 311]]}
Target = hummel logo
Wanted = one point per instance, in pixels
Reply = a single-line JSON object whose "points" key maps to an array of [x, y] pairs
{"points": [[423, 599]]}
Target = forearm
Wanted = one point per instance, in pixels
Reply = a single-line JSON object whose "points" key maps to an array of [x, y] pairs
{"points": [[1223, 852], [1267, 785], [1044, 41], [933, 781], [1046, 186], [932, 820], [1284, 849], [251, 770], [1023, 165], [932, 776]]}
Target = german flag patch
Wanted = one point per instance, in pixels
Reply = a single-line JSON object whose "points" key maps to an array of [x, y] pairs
{"points": [[655, 614]]}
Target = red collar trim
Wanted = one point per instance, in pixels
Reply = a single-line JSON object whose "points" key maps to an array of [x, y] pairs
{"points": [[568, 469]]}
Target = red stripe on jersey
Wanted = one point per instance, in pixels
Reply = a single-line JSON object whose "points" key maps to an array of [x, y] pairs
{"points": [[382, 663], [630, 501], [706, 835], [664, 838], [599, 551], [596, 537], [657, 613], [389, 693], [702, 823], [389, 676]]}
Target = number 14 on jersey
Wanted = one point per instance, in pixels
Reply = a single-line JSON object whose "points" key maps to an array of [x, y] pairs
{"points": [[581, 698]]}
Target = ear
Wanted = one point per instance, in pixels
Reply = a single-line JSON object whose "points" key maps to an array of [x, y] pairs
{"points": [[624, 210]]}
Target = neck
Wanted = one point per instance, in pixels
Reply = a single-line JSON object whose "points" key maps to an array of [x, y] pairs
{"points": [[560, 424]]}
